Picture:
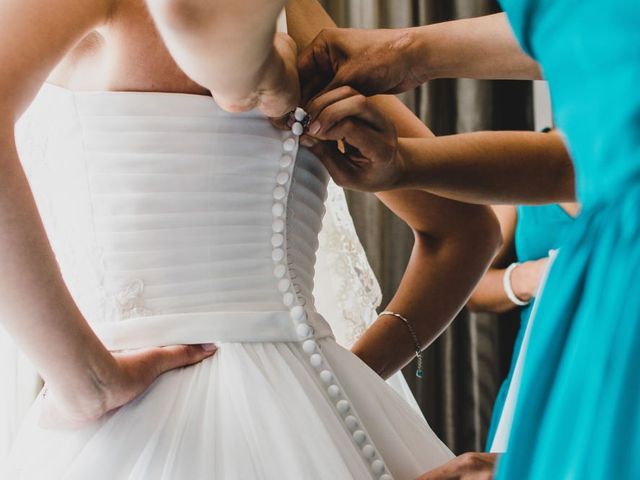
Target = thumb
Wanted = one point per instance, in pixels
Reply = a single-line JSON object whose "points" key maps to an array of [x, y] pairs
{"points": [[315, 69], [338, 165]]}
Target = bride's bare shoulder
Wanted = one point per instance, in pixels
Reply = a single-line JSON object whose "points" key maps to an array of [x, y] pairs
{"points": [[124, 53], [35, 36]]}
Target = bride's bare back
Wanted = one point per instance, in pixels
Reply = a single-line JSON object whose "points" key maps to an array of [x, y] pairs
{"points": [[125, 51]]}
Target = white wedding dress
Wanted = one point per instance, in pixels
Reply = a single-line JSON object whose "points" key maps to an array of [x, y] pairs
{"points": [[176, 222]]}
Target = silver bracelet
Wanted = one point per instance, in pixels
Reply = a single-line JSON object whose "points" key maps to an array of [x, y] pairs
{"points": [[419, 370], [508, 289]]}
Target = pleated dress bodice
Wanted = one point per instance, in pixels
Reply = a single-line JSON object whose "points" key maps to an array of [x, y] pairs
{"points": [[175, 222], [172, 220]]}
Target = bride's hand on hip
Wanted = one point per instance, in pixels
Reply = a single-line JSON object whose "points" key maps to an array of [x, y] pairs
{"points": [[128, 377], [356, 142]]}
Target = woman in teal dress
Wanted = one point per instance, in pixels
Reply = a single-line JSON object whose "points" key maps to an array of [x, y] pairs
{"points": [[532, 231], [578, 411]]}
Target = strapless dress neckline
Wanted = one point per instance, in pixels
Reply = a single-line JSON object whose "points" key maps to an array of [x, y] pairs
{"points": [[176, 222]]}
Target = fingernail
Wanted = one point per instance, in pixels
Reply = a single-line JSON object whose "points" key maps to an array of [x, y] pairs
{"points": [[307, 141], [315, 127], [209, 347]]}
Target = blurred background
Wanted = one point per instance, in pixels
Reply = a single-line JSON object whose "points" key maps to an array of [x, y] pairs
{"points": [[465, 366]]}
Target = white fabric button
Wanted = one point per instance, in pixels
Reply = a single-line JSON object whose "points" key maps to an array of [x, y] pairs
{"points": [[277, 240], [285, 160], [284, 284], [351, 422], [279, 271], [299, 114], [333, 391], [359, 436], [377, 466], [326, 376], [315, 360], [278, 225], [288, 299], [386, 476], [297, 314], [368, 451], [297, 128], [282, 178], [309, 347], [279, 193], [277, 209], [303, 330], [277, 254], [343, 406], [289, 144]]}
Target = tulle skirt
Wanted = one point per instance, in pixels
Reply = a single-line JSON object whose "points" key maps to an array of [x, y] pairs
{"points": [[252, 411]]}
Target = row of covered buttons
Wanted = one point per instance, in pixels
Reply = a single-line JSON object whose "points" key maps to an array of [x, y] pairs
{"points": [[311, 348], [296, 304]]}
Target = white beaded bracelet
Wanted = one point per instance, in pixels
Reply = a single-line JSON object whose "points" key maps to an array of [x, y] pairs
{"points": [[508, 289]]}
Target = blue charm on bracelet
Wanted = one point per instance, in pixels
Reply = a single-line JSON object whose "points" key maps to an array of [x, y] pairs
{"points": [[419, 369]]}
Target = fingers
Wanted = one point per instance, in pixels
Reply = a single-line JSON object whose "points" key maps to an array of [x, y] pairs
{"points": [[364, 145], [276, 106], [315, 67], [142, 367], [341, 169], [335, 106], [468, 466], [281, 94], [176, 356]]}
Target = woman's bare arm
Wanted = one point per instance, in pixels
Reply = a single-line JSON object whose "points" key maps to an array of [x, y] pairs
{"points": [[481, 47], [489, 295], [35, 305], [490, 167], [454, 242], [396, 60], [230, 48]]}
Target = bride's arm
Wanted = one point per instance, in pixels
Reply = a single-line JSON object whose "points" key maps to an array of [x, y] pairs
{"points": [[230, 47], [83, 378], [454, 242]]}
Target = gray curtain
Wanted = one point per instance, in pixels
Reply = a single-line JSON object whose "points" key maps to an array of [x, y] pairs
{"points": [[465, 366]]}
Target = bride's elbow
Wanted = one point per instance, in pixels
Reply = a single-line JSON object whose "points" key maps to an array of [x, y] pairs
{"points": [[483, 234], [474, 235]]}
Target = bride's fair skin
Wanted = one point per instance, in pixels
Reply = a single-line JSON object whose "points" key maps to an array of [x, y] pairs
{"points": [[114, 45]]}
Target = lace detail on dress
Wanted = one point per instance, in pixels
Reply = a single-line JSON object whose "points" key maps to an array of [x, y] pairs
{"points": [[357, 290], [131, 300]]}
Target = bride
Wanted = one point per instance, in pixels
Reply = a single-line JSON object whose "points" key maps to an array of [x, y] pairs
{"points": [[174, 222]]}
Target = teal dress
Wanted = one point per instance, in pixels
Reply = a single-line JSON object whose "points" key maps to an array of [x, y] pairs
{"points": [[539, 229], [578, 409]]}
